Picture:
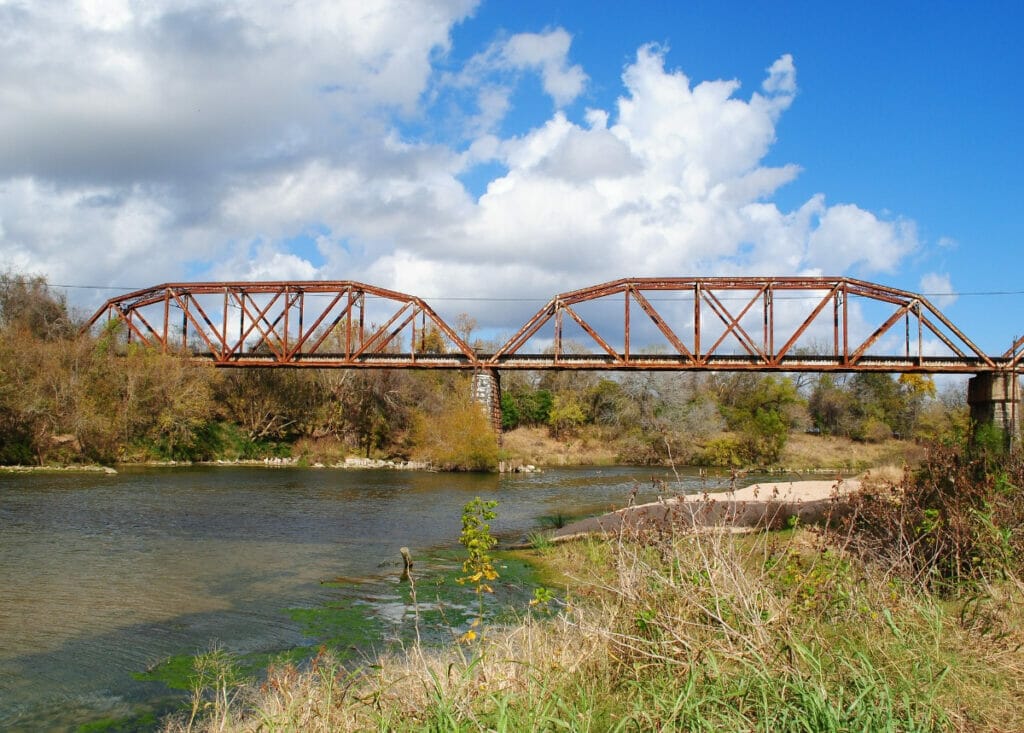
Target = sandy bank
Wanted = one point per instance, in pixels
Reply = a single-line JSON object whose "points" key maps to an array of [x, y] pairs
{"points": [[759, 505]]}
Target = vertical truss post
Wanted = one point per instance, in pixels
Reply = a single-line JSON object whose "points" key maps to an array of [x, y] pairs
{"points": [[906, 328], [184, 323], [241, 320], [920, 336], [348, 325], [846, 324], [302, 312], [362, 317], [224, 323], [835, 324], [625, 329], [167, 323], [558, 330], [412, 340], [696, 321], [287, 308]]}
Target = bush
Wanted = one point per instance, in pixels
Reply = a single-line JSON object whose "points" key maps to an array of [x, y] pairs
{"points": [[724, 450], [525, 407], [957, 520], [873, 430], [566, 416], [458, 438], [762, 438]]}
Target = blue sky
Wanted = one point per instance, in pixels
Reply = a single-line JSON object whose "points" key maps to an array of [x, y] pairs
{"points": [[468, 149]]}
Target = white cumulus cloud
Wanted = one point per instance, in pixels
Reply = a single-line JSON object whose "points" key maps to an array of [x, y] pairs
{"points": [[146, 143], [548, 52]]}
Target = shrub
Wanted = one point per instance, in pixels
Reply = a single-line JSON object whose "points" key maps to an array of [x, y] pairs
{"points": [[458, 438], [956, 520], [762, 438], [566, 416], [724, 450], [873, 430]]}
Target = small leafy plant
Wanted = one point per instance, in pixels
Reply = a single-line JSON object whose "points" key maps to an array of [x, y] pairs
{"points": [[478, 567]]}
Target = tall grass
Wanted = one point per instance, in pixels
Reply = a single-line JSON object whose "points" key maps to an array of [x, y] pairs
{"points": [[768, 632]]}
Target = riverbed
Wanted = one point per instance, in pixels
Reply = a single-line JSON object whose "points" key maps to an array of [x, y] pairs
{"points": [[103, 577]]}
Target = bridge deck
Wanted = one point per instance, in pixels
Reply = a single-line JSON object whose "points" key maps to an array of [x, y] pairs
{"points": [[594, 362]]}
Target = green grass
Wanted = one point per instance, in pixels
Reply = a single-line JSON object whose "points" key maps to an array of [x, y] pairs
{"points": [[771, 632], [131, 724]]}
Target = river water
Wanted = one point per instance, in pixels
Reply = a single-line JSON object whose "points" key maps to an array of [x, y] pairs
{"points": [[105, 576]]}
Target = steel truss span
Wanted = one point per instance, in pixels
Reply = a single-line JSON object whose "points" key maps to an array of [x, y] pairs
{"points": [[699, 324]]}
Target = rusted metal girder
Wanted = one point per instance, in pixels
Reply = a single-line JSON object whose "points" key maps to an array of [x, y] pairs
{"points": [[710, 324], [1015, 354], [736, 346], [322, 324]]}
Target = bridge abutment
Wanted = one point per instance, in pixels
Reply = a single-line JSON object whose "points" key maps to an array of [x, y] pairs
{"points": [[487, 393], [994, 399]]}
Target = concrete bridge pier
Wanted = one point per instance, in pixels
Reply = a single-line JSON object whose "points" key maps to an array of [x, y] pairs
{"points": [[487, 393], [994, 399]]}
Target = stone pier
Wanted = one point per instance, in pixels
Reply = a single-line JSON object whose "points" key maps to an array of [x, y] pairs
{"points": [[994, 398], [487, 393]]}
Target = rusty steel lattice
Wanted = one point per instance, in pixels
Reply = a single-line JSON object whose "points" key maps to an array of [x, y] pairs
{"points": [[1015, 355], [323, 324], [703, 324], [749, 335]]}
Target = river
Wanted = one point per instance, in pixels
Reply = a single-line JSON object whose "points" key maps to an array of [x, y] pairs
{"points": [[104, 576]]}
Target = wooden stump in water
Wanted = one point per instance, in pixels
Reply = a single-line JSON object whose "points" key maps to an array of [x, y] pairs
{"points": [[407, 559]]}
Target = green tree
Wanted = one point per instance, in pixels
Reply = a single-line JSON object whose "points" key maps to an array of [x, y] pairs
{"points": [[762, 410], [510, 417], [831, 406], [877, 406], [606, 403], [566, 415], [523, 405]]}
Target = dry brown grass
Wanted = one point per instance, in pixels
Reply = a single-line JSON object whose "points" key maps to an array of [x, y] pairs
{"points": [[595, 447], [536, 446], [807, 452]]}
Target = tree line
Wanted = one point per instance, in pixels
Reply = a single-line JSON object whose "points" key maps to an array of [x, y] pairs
{"points": [[66, 397]]}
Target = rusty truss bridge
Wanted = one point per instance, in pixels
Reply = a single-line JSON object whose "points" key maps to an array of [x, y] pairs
{"points": [[786, 324]]}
